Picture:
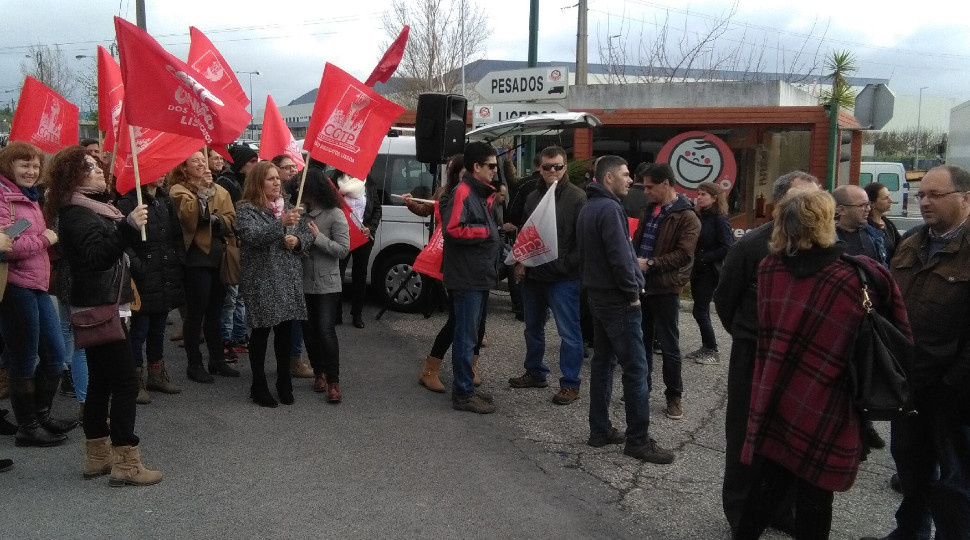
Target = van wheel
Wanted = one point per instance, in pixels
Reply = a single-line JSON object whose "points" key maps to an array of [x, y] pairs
{"points": [[393, 271]]}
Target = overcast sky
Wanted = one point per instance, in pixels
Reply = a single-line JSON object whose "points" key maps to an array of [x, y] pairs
{"points": [[913, 44]]}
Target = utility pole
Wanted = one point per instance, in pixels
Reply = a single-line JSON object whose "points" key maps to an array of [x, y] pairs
{"points": [[582, 40], [140, 14], [533, 62]]}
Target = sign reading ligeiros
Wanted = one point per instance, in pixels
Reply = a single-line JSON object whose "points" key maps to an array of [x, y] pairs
{"points": [[489, 113], [531, 84]]}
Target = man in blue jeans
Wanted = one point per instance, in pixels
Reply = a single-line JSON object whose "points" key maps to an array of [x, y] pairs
{"points": [[665, 241], [613, 283], [470, 267], [553, 285]]}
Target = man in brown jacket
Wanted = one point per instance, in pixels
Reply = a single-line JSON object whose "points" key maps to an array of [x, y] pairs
{"points": [[664, 242]]}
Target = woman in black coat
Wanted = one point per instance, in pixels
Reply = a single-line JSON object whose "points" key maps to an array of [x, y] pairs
{"points": [[156, 267], [94, 239], [366, 210], [712, 246]]}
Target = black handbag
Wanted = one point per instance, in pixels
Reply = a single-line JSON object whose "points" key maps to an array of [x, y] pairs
{"points": [[881, 359]]}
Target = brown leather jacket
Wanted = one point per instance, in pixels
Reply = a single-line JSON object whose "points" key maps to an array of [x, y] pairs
{"points": [[674, 253]]}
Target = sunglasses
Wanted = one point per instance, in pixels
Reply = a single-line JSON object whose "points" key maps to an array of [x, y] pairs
{"points": [[492, 166], [551, 166]]}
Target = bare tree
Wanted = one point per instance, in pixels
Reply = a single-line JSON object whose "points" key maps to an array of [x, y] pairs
{"points": [[48, 65], [433, 56]]}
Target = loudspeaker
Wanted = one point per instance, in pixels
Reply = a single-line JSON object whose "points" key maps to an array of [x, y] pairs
{"points": [[439, 127]]}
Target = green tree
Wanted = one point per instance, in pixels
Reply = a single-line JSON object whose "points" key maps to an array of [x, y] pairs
{"points": [[841, 65]]}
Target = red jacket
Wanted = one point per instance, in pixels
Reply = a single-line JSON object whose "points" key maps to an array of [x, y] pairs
{"points": [[802, 416], [30, 266]]}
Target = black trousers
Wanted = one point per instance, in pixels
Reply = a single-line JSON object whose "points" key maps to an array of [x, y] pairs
{"points": [[320, 334], [204, 295], [111, 379], [282, 336], [813, 505], [358, 277]]}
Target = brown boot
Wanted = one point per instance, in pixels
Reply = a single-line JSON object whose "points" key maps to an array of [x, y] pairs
{"points": [[98, 458], [476, 380], [128, 470], [143, 398], [299, 369], [320, 383], [158, 379], [429, 374], [333, 393], [4, 383]]}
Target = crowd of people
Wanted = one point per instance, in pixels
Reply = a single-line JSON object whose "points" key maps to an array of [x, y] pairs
{"points": [[236, 251]]}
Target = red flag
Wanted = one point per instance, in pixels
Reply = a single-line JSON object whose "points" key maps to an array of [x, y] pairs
{"points": [[429, 261], [205, 59], [348, 123], [111, 92], [276, 138], [163, 93], [158, 153], [44, 118], [389, 62], [357, 237]]}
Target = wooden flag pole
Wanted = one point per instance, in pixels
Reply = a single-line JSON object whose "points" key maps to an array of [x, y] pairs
{"points": [[134, 162], [299, 195]]}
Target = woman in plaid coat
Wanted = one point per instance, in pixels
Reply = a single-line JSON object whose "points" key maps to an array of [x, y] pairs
{"points": [[803, 430]]}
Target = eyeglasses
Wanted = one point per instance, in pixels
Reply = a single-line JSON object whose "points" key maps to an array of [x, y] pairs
{"points": [[551, 166], [89, 166], [492, 166], [862, 205], [934, 196]]}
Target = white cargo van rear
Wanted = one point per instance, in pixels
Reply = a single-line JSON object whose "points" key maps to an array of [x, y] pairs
{"points": [[893, 176]]}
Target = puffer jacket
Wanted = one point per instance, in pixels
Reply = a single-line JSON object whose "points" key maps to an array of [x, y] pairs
{"points": [[569, 201], [673, 254], [29, 266], [472, 243], [94, 246]]}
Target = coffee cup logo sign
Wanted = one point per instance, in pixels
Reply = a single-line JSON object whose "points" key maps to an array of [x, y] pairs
{"points": [[49, 129], [343, 127], [697, 157]]}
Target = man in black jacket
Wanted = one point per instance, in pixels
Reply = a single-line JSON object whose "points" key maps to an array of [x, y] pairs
{"points": [[232, 179], [553, 286], [470, 266], [612, 278]]}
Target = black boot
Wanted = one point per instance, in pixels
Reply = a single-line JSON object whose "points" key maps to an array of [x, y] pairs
{"points": [[46, 386], [197, 373], [221, 368], [24, 403], [6, 428], [261, 396], [284, 388]]}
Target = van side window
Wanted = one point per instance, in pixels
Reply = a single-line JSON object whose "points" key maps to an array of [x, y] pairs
{"points": [[406, 175], [865, 179], [890, 180]]}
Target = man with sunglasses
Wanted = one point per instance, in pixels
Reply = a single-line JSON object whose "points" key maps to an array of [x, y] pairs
{"points": [[470, 267], [553, 286]]}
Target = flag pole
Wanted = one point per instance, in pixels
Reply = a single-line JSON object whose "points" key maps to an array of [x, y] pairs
{"points": [[299, 195], [134, 161], [111, 167]]}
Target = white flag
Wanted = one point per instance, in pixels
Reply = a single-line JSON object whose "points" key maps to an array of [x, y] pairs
{"points": [[538, 242]]}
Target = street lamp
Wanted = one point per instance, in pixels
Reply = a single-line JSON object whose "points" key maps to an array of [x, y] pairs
{"points": [[919, 115], [251, 96]]}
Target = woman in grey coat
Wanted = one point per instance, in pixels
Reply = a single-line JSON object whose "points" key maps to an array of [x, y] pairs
{"points": [[321, 281], [273, 238]]}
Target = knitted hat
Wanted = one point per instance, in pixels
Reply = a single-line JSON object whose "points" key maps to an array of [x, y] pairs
{"points": [[240, 154]]}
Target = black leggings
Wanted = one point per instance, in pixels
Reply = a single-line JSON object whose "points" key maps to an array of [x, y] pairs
{"points": [[204, 295], [813, 505], [358, 277], [447, 333], [282, 336], [320, 335], [111, 379]]}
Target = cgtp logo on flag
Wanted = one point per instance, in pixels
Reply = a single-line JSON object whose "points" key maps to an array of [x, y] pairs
{"points": [[210, 67], [49, 129], [537, 242], [343, 127], [529, 244]]}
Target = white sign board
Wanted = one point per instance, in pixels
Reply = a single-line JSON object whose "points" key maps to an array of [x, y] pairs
{"points": [[489, 113], [530, 84]]}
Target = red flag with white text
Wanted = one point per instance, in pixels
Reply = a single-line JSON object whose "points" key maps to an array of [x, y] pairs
{"points": [[276, 138], [164, 93], [391, 59], [44, 118], [158, 153], [348, 123], [206, 60], [111, 92]]}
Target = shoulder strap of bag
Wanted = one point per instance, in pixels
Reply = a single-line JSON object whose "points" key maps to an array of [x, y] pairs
{"points": [[863, 278]]}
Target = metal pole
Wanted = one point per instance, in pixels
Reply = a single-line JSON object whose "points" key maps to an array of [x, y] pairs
{"points": [[830, 175], [251, 99], [140, 14], [582, 39], [919, 117], [533, 61], [462, 17]]}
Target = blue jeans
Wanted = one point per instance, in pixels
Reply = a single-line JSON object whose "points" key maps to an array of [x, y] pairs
{"points": [[76, 358], [932, 455], [148, 333], [660, 319], [31, 328], [233, 315], [617, 333], [469, 309], [296, 340], [563, 298]]}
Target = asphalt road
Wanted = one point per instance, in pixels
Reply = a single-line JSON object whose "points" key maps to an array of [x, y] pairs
{"points": [[394, 460]]}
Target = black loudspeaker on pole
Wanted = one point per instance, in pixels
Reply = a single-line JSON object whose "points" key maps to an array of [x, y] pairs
{"points": [[439, 127]]}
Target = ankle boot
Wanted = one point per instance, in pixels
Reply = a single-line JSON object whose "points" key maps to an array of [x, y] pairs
{"points": [[320, 382], [4, 383], [429, 374], [158, 380], [260, 395], [195, 372], [299, 369], [333, 393], [220, 367], [24, 403], [46, 388], [143, 398], [128, 470], [97, 458], [284, 389], [475, 379], [67, 384]]}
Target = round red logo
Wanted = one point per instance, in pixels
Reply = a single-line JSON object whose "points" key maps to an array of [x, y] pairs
{"points": [[484, 112], [695, 157], [555, 74]]}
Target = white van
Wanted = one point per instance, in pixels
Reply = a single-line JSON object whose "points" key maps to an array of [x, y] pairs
{"points": [[893, 176]]}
